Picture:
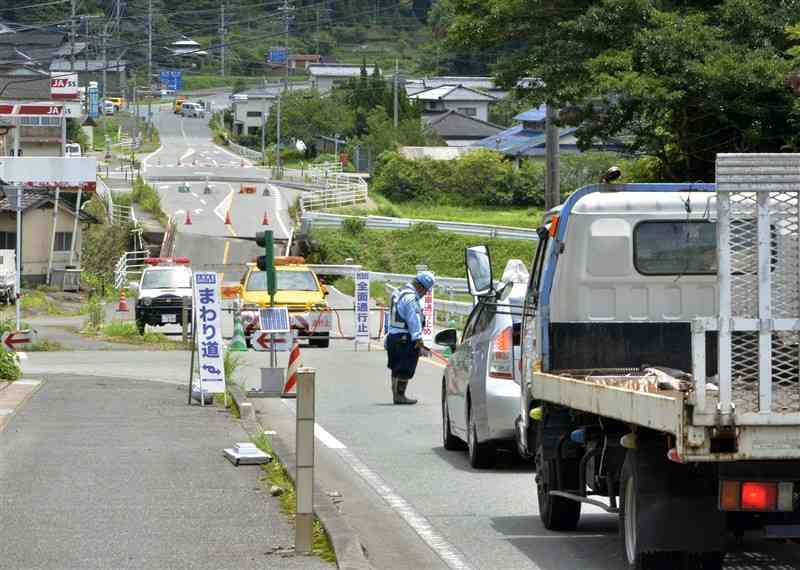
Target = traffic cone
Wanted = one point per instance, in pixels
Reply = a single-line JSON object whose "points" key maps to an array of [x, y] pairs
{"points": [[290, 388], [228, 218], [122, 307], [188, 221], [238, 343], [265, 220]]}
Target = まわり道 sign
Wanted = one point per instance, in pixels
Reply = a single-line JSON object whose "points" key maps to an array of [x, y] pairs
{"points": [[209, 332]]}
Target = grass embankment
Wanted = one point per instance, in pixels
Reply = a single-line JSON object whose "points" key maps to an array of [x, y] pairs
{"points": [[347, 286], [126, 333], [211, 81], [485, 215], [146, 196], [399, 251], [275, 474]]}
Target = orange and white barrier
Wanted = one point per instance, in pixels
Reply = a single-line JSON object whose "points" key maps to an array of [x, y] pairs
{"points": [[290, 388]]}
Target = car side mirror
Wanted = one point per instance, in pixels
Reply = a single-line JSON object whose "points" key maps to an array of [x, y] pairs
{"points": [[447, 337]]}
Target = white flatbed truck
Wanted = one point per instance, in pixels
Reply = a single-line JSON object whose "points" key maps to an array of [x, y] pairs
{"points": [[661, 361]]}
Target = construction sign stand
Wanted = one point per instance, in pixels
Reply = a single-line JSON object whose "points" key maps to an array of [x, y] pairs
{"points": [[290, 387]]}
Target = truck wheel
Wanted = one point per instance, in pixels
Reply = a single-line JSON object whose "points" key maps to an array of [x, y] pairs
{"points": [[557, 513], [450, 442], [667, 519]]}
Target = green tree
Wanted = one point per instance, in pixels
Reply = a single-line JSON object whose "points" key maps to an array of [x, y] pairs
{"points": [[680, 81], [306, 114]]}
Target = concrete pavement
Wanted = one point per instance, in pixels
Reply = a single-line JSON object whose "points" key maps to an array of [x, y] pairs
{"points": [[102, 472]]}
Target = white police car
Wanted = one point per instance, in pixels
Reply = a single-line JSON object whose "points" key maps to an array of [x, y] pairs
{"points": [[165, 286]]}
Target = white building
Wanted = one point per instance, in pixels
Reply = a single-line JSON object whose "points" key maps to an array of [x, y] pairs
{"points": [[326, 76], [485, 84], [466, 100], [250, 108]]}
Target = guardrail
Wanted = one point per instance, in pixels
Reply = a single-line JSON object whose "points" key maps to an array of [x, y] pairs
{"points": [[129, 262], [334, 196], [456, 284], [245, 152], [117, 213], [325, 220]]}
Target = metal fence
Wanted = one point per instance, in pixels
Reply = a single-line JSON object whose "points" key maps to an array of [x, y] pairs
{"points": [[325, 220], [118, 214], [130, 263], [245, 152]]}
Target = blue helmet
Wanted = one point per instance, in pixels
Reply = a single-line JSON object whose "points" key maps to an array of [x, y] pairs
{"points": [[425, 280]]}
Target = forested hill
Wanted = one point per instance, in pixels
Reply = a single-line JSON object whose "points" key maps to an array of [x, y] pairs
{"points": [[378, 31]]}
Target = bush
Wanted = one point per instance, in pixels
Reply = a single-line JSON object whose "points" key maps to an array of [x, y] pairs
{"points": [[9, 366], [353, 226]]}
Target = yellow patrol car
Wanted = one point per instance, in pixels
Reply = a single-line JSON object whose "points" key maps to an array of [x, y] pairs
{"points": [[298, 289]]}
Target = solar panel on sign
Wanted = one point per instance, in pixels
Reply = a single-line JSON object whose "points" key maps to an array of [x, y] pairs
{"points": [[274, 319]]}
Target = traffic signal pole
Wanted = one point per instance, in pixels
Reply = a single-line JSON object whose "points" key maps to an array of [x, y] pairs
{"points": [[266, 263]]}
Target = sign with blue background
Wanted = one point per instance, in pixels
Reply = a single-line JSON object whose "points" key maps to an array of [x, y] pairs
{"points": [[171, 79]]}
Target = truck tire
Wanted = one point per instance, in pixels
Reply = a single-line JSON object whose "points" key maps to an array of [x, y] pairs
{"points": [[557, 513], [667, 519], [449, 441]]}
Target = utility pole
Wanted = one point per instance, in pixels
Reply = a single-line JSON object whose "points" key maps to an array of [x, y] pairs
{"points": [[222, 39], [117, 14], [264, 125], [86, 50], [286, 9], [278, 136], [72, 36], [396, 110], [150, 43], [105, 65], [552, 194]]}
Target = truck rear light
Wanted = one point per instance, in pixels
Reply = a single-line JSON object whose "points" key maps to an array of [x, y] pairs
{"points": [[756, 496], [759, 496], [501, 356]]}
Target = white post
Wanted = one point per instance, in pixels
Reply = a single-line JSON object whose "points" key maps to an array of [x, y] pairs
{"points": [[74, 244], [724, 286], [18, 279], [764, 305], [53, 236], [304, 521]]}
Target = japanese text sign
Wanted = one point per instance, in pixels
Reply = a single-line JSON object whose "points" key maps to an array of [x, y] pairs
{"points": [[427, 311], [362, 306], [209, 332]]}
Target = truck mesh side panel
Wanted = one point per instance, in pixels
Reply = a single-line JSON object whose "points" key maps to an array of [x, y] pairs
{"points": [[743, 180]]}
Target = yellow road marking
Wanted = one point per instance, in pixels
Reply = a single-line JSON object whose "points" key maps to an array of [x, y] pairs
{"points": [[225, 258]]}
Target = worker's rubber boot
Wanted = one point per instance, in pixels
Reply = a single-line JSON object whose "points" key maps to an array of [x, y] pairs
{"points": [[400, 397], [394, 389]]}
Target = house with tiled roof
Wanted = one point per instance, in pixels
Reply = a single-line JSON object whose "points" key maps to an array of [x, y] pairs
{"points": [[468, 101], [458, 129], [37, 231]]}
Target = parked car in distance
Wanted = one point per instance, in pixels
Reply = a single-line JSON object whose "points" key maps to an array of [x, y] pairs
{"points": [[480, 387], [72, 150], [109, 108], [178, 105], [118, 102], [192, 110]]}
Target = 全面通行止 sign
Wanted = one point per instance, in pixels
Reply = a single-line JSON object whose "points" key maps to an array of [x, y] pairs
{"points": [[362, 306], [209, 332]]}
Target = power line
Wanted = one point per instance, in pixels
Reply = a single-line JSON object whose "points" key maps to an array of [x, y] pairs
{"points": [[30, 6]]}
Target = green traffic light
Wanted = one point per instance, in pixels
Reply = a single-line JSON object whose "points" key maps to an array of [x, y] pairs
{"points": [[266, 262]]}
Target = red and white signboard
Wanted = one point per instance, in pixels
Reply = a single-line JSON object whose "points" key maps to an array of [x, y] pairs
{"points": [[32, 110], [64, 86], [262, 341], [427, 311], [14, 341]]}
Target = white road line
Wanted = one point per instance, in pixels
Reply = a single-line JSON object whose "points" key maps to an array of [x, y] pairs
{"points": [[164, 186], [224, 206], [203, 202], [238, 158], [187, 154], [197, 210], [275, 192], [193, 194], [149, 156], [446, 551]]}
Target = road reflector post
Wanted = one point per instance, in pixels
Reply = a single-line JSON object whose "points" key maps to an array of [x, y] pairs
{"points": [[185, 320], [304, 445]]}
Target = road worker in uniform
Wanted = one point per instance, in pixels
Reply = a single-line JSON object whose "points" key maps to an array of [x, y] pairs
{"points": [[404, 337]]}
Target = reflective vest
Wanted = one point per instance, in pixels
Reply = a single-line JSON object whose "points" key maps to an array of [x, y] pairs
{"points": [[395, 320]]}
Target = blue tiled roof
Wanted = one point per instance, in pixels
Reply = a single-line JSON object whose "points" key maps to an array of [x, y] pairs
{"points": [[535, 114], [519, 141]]}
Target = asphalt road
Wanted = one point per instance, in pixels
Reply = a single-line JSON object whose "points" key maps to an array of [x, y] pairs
{"points": [[99, 472]]}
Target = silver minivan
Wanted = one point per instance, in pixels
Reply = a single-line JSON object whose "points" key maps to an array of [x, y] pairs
{"points": [[480, 387], [192, 110]]}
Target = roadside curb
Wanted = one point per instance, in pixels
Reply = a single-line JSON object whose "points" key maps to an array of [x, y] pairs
{"points": [[14, 396], [346, 544]]}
